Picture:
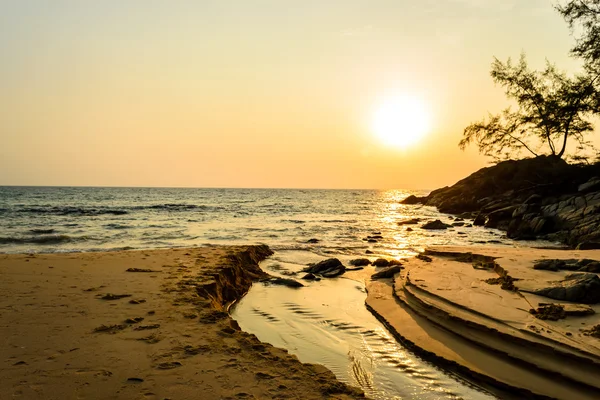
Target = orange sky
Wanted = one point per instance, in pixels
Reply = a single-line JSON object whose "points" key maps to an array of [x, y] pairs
{"points": [[252, 93]]}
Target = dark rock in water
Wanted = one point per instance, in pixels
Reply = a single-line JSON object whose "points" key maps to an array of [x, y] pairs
{"points": [[549, 265], [435, 225], [468, 225], [394, 262], [375, 237], [412, 221], [323, 266], [332, 273], [409, 229], [313, 240], [371, 241], [381, 262], [578, 288], [479, 220], [284, 281], [583, 265], [412, 199], [360, 262], [387, 273], [368, 252], [588, 246], [460, 223], [309, 277], [376, 233], [329, 268]]}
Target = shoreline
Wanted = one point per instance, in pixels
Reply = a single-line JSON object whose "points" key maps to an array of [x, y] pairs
{"points": [[443, 310], [168, 337]]}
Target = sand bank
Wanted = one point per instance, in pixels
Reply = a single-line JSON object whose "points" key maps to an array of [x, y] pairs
{"points": [[444, 309], [82, 326]]}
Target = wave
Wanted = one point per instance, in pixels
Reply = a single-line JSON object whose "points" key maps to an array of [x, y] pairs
{"points": [[46, 239], [42, 231], [72, 211]]}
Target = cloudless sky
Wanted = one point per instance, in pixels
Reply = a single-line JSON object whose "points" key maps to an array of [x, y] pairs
{"points": [[252, 93]]}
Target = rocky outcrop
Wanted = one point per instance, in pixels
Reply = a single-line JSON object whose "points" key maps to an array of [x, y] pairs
{"points": [[537, 198], [578, 288]]}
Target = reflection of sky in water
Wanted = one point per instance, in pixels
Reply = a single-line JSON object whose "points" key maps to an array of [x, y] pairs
{"points": [[326, 322]]}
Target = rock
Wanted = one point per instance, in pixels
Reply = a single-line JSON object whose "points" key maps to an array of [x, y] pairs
{"points": [[458, 224], [479, 220], [394, 262], [375, 237], [581, 287], [313, 240], [412, 199], [409, 229], [533, 199], [549, 265], [381, 262], [140, 270], [323, 266], [368, 252], [360, 262], [497, 217], [309, 277], [292, 283], [435, 225], [412, 221], [592, 185], [387, 273], [354, 268], [588, 246], [332, 273], [423, 257], [578, 310]]}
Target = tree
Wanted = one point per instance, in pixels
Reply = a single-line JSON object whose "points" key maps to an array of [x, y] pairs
{"points": [[586, 15], [551, 108]]}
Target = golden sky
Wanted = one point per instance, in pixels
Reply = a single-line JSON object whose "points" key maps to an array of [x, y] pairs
{"points": [[253, 93]]}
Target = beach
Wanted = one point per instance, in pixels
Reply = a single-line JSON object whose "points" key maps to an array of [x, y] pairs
{"points": [[67, 332]]}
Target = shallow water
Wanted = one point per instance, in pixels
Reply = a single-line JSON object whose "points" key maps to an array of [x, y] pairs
{"points": [[327, 323]]}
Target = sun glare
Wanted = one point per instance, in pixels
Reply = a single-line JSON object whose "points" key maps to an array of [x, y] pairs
{"points": [[401, 121]]}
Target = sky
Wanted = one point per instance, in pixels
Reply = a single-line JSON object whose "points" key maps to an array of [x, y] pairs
{"points": [[254, 93]]}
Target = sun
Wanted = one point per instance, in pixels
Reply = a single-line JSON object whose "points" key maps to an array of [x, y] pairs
{"points": [[401, 121]]}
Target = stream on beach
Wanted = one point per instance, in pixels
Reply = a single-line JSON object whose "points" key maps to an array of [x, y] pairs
{"points": [[326, 322]]}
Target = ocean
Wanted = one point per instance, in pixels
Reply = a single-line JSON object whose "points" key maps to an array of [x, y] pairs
{"points": [[76, 219]]}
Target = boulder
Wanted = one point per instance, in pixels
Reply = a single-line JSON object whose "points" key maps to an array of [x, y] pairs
{"points": [[412, 221], [590, 186], [327, 268], [387, 273], [368, 252], [359, 262], [381, 262], [435, 225], [332, 273], [479, 220], [412, 199], [284, 281], [323, 266], [588, 246], [310, 277], [313, 240], [581, 287]]}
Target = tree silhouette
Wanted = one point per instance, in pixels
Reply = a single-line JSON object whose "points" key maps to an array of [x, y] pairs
{"points": [[586, 15], [551, 108]]}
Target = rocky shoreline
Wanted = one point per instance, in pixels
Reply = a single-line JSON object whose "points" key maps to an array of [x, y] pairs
{"points": [[537, 198]]}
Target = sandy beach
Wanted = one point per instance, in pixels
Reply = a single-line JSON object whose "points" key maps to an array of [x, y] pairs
{"points": [[142, 325], [449, 307]]}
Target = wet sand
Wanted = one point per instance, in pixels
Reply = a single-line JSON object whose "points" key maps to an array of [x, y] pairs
{"points": [[445, 309], [82, 326]]}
